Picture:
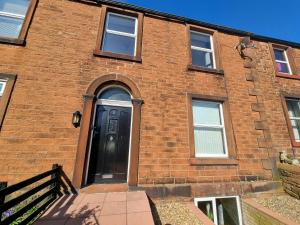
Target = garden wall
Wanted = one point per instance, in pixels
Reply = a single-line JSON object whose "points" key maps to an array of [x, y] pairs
{"points": [[256, 214], [290, 175]]}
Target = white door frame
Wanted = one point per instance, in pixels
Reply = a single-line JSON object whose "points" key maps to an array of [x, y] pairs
{"points": [[105, 102]]}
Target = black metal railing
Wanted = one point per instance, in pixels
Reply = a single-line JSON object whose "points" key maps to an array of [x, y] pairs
{"points": [[34, 201]]}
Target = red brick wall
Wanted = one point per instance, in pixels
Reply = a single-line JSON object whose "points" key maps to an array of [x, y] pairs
{"points": [[57, 65]]}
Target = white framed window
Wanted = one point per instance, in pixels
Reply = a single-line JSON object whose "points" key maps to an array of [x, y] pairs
{"points": [[221, 210], [293, 106], [120, 34], [202, 49], [2, 86], [12, 15], [209, 129], [282, 62]]}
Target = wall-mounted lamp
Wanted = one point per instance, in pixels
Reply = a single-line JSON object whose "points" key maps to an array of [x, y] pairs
{"points": [[76, 119]]}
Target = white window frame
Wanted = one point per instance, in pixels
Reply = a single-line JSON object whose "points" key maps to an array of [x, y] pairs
{"points": [[222, 126], [294, 117], [120, 33], [211, 50], [12, 15], [284, 62], [3, 87], [213, 200]]}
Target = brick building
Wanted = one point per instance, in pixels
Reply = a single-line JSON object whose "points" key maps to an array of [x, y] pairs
{"points": [[168, 104]]}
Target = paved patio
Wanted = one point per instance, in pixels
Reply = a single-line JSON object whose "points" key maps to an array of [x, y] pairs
{"points": [[114, 208]]}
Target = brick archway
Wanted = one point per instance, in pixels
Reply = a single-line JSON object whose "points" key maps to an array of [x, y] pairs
{"points": [[87, 115], [102, 81]]}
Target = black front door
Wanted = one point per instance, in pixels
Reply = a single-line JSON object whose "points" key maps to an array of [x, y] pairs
{"points": [[110, 145]]}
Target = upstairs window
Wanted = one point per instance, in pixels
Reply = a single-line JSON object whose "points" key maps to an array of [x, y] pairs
{"points": [[282, 62], [12, 16], [2, 87], [120, 34], [202, 50], [209, 129], [293, 106]]}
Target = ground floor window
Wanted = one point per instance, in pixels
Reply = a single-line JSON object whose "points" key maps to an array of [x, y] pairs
{"points": [[221, 210], [209, 129], [293, 106]]}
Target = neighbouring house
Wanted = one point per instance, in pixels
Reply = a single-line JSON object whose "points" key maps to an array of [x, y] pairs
{"points": [[163, 103]]}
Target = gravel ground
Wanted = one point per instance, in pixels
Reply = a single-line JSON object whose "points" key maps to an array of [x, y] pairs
{"points": [[285, 205], [172, 213]]}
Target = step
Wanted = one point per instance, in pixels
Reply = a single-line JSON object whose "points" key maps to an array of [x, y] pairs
{"points": [[104, 188]]}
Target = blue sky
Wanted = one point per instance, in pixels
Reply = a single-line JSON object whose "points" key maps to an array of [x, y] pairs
{"points": [[272, 18]]}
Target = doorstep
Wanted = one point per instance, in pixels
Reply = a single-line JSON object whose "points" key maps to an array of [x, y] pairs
{"points": [[104, 188]]}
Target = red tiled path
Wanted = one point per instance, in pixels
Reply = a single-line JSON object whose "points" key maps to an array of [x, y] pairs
{"points": [[114, 208]]}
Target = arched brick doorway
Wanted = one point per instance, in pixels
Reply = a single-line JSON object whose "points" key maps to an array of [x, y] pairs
{"points": [[80, 168]]}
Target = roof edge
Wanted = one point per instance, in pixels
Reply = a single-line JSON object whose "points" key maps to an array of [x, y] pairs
{"points": [[197, 22]]}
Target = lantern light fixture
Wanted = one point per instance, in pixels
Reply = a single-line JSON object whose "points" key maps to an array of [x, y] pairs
{"points": [[76, 119]]}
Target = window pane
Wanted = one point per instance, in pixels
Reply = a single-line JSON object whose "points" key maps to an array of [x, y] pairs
{"points": [[201, 58], [227, 211], [119, 44], [2, 86], [200, 40], [207, 208], [206, 113], [120, 23], [293, 108], [282, 67], [14, 6], [115, 94], [296, 129], [10, 27], [209, 141], [279, 55]]}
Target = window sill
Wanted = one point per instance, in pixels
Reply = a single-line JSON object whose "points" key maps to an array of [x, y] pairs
{"points": [[203, 69], [12, 41], [289, 76], [213, 161], [295, 143], [117, 56]]}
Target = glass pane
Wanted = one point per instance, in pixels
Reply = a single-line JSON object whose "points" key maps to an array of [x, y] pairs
{"points": [[209, 141], [296, 129], [120, 23], [202, 58], [279, 54], [200, 40], [115, 94], [1, 88], [207, 208], [119, 44], [14, 6], [206, 113], [282, 67], [227, 211], [10, 27], [293, 108]]}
